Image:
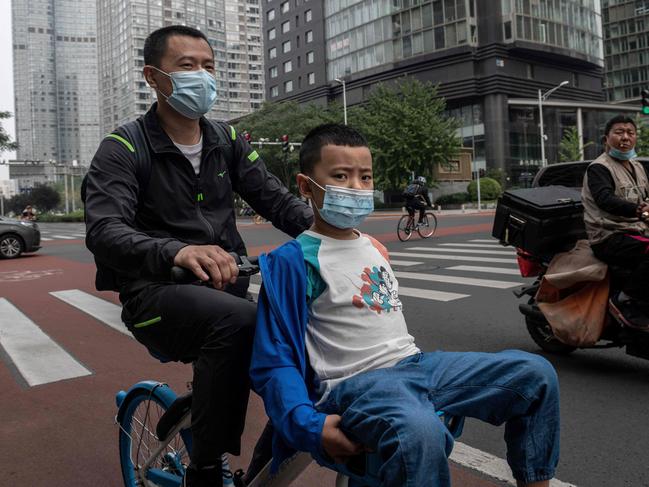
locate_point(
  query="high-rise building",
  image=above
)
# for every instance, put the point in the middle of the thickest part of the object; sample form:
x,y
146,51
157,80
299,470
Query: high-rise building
x,y
233,28
626,48
55,79
489,57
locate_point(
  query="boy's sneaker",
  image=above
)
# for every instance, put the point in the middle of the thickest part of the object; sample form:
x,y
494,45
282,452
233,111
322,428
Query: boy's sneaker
x,y
203,477
631,313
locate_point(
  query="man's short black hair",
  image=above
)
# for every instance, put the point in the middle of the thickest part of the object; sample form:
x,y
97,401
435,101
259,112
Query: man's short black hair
x,y
618,119
156,44
327,134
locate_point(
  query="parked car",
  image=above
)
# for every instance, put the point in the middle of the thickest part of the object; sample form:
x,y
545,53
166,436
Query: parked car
x,y
17,237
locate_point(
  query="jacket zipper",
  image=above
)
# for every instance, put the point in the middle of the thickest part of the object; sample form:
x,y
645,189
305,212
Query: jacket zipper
x,y
199,197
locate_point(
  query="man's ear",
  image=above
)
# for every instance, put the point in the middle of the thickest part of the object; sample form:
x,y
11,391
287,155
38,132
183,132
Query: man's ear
x,y
147,72
303,185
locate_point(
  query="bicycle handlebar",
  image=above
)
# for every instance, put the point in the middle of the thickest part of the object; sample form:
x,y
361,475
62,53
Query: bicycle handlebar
x,y
247,267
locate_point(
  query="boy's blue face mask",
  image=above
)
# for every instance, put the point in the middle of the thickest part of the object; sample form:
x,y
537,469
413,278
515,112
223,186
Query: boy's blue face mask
x,y
623,156
193,94
345,207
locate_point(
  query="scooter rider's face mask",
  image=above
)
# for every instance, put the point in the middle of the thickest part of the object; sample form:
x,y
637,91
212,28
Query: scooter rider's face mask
x,y
193,94
345,207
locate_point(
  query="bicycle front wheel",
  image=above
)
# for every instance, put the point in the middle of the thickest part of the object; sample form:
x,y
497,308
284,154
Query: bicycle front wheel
x,y
428,225
138,441
405,228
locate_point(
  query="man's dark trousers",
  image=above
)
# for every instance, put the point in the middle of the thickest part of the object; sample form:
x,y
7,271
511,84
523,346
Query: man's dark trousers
x,y
213,330
630,253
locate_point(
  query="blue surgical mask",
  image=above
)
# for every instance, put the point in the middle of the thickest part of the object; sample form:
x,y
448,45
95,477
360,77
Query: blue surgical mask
x,y
193,94
623,156
345,207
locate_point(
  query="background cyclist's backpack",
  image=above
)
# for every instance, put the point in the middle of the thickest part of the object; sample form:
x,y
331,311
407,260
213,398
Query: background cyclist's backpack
x,y
411,191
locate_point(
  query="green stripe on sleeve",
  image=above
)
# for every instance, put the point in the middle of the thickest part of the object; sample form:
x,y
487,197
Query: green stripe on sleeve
x,y
122,140
253,156
233,133
148,322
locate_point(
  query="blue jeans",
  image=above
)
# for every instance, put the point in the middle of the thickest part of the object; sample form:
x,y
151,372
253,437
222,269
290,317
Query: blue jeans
x,y
392,411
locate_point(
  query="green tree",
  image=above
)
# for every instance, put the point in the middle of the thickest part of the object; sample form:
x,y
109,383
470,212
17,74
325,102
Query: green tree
x,y
16,204
5,141
44,197
569,146
642,132
407,130
490,189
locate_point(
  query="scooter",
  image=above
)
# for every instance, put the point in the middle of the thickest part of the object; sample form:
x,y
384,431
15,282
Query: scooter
x,y
616,334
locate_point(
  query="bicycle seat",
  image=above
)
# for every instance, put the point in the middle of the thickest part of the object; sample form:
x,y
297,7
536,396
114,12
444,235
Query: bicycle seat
x,y
172,416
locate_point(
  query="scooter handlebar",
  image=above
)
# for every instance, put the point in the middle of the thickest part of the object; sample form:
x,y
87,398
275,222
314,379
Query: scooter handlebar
x,y
247,267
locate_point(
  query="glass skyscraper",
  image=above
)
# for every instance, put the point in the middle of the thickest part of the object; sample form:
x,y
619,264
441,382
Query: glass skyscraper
x,y
233,28
55,79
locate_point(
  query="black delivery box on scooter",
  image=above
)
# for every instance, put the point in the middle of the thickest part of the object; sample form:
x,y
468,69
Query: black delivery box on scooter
x,y
541,221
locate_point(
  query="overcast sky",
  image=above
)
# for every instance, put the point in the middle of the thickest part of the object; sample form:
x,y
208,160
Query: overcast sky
x,y
6,71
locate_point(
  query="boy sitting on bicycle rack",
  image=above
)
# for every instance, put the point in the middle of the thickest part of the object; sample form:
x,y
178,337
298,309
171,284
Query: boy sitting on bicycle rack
x,y
334,363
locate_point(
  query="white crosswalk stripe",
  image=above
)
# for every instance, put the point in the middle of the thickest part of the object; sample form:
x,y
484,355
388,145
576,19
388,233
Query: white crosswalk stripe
x,y
468,258
38,358
483,240
461,251
430,294
46,239
63,237
104,311
475,245
468,281
491,270
404,263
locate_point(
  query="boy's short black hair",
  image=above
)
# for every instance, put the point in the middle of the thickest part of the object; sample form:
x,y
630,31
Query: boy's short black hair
x,y
327,134
156,44
618,119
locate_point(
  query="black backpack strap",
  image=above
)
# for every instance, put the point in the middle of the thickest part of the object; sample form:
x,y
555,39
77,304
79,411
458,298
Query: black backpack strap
x,y
227,137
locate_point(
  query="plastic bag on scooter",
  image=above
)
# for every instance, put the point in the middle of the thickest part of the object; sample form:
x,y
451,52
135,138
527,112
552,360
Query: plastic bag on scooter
x,y
573,296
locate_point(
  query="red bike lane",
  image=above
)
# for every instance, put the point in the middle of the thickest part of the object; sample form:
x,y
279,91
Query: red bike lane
x,y
63,433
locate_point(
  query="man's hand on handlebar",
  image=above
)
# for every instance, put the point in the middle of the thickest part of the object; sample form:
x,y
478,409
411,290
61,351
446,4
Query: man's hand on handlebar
x,y
335,442
208,262
643,211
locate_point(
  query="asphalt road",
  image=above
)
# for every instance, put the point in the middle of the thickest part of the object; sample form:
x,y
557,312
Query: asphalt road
x,y
604,392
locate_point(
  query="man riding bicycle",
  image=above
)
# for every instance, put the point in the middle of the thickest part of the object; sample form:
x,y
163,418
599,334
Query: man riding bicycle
x,y
416,196
178,210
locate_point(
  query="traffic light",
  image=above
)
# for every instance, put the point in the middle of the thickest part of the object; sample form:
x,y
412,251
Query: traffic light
x,y
645,102
246,135
285,144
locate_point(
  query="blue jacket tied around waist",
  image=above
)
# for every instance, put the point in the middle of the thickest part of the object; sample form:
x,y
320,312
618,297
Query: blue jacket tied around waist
x,y
280,370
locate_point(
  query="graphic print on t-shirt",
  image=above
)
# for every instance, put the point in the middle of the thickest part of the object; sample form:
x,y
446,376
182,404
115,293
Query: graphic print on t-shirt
x,y
378,292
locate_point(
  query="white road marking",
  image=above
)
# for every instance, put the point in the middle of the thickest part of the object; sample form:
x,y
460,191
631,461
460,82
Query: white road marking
x,y
254,288
461,251
38,358
482,240
492,270
490,465
105,311
468,258
475,245
63,237
80,235
467,281
404,263
45,239
429,294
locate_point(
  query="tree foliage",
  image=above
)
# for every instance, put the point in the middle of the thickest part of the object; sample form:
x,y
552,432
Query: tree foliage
x,y
490,189
642,132
5,141
407,130
42,197
569,146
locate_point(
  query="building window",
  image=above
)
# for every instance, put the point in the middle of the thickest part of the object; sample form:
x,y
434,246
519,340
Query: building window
x,y
288,86
288,66
311,78
272,33
273,72
309,36
285,6
270,15
274,91
272,53
309,57
286,26
286,47
308,15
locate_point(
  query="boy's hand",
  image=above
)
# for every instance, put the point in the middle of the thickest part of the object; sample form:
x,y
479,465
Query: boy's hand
x,y
335,442
208,259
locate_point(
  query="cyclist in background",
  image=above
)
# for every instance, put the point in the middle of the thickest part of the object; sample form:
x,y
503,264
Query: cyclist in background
x,y
416,196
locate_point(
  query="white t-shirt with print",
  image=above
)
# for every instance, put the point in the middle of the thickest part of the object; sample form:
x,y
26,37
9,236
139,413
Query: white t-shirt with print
x,y
356,320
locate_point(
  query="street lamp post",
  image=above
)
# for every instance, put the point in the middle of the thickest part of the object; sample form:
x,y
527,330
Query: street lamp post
x,y
342,82
542,98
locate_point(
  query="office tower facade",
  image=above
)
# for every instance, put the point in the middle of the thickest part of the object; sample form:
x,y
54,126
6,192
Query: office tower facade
x,y
233,28
626,47
55,79
486,56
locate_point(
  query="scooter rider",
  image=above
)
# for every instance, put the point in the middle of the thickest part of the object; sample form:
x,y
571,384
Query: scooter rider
x,y
185,216
615,194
